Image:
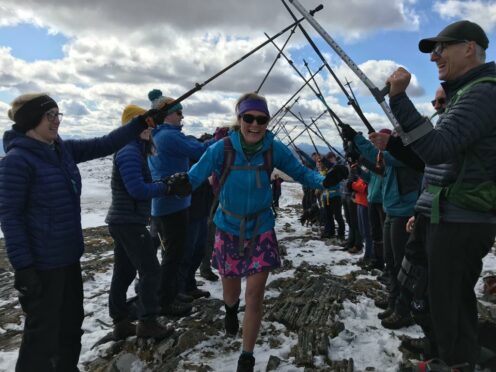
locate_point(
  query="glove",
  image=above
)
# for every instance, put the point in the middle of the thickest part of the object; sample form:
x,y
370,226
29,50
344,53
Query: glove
x,y
336,174
28,283
152,118
348,132
178,184
220,133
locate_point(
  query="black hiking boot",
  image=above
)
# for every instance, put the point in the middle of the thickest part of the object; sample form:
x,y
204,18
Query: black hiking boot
x,y
209,275
176,308
198,293
151,328
386,313
381,304
396,321
246,363
231,322
185,298
415,345
124,329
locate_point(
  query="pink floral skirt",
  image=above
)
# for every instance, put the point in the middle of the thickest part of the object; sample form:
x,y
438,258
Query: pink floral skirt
x,y
226,258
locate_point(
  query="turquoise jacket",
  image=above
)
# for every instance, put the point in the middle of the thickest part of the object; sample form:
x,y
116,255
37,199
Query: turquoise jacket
x,y
401,185
374,194
240,194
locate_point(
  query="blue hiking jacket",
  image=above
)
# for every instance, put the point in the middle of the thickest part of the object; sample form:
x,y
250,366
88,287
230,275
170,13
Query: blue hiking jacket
x,y
240,194
401,185
173,152
40,190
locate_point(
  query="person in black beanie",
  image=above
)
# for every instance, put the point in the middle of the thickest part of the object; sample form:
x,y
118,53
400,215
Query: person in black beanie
x,y
40,216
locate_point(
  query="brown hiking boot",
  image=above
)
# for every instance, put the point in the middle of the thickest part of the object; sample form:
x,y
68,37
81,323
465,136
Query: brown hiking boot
x,y
354,250
151,328
386,313
396,321
124,329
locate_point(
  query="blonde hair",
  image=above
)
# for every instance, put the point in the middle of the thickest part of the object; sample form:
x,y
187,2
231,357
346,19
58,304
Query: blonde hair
x,y
21,101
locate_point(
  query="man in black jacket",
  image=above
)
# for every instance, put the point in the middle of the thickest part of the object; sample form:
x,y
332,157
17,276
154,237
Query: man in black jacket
x,y
458,233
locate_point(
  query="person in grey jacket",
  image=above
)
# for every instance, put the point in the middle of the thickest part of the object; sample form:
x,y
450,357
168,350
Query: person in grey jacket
x,y
457,233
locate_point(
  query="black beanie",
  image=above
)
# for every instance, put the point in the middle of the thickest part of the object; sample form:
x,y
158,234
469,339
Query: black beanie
x,y
30,114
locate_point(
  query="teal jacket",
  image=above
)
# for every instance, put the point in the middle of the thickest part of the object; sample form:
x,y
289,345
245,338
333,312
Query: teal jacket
x,y
401,185
240,193
374,194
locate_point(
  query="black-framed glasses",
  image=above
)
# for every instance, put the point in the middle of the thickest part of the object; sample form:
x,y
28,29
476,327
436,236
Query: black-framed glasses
x,y
249,119
441,46
54,116
440,100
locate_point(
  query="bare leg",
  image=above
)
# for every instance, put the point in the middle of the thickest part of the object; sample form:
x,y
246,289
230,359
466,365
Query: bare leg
x,y
232,289
255,288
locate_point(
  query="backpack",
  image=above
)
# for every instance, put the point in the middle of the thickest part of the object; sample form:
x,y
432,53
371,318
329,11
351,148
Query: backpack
x,y
480,196
218,183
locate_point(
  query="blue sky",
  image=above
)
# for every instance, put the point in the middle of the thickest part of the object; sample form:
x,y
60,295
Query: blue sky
x,y
96,57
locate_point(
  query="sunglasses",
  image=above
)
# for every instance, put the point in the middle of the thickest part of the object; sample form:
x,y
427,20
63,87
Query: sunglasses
x,y
440,100
440,47
249,119
180,113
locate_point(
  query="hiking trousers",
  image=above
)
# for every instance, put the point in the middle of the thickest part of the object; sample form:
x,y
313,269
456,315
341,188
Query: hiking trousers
x,y
454,253
51,341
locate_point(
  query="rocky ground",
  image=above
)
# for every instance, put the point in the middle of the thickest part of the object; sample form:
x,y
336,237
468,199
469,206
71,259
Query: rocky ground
x,y
304,306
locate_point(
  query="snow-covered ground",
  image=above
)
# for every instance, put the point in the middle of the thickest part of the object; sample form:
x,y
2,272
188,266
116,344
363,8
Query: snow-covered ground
x,y
364,339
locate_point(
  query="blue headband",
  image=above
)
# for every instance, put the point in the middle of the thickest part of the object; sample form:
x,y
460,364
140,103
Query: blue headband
x,y
253,104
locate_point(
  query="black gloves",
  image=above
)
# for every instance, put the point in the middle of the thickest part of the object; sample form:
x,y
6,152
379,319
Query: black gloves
x,y
335,175
178,185
28,283
348,132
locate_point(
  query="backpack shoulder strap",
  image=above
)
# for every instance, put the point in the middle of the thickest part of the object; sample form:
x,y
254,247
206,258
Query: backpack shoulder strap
x,y
228,161
268,161
467,87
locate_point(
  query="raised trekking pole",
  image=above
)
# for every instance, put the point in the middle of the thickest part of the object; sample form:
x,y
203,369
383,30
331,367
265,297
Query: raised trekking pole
x,y
275,60
376,92
283,115
305,129
199,86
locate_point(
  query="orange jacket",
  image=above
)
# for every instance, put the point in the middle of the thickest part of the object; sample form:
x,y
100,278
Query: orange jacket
x,y
360,188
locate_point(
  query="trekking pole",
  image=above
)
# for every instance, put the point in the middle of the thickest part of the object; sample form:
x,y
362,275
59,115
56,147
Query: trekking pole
x,y
351,101
304,130
199,86
319,96
298,91
275,60
378,94
308,128
284,114
289,132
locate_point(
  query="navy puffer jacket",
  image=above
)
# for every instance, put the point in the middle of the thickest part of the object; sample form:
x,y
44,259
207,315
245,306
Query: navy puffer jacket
x,y
469,126
40,190
132,187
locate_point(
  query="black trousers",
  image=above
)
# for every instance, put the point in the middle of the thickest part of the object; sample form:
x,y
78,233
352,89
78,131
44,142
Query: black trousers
x,y
134,251
395,238
173,229
52,331
332,209
354,237
454,253
376,219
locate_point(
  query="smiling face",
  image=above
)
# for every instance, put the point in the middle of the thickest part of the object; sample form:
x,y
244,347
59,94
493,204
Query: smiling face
x,y
48,129
254,132
454,60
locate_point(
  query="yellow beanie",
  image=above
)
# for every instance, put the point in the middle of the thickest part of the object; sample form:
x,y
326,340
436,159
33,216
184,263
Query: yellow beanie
x,y
130,112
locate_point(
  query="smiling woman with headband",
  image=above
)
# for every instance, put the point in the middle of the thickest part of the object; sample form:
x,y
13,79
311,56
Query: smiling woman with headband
x,y
245,241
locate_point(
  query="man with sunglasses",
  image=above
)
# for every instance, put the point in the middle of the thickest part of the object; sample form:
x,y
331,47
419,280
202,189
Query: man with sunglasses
x,y
455,215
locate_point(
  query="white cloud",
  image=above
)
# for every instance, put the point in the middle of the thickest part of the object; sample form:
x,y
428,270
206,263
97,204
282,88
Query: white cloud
x,y
481,12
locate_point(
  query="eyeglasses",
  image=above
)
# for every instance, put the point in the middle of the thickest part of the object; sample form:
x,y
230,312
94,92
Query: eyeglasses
x,y
53,116
440,100
440,47
249,119
179,113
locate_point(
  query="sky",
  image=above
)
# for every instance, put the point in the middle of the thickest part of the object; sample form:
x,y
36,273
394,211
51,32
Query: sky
x,y
95,57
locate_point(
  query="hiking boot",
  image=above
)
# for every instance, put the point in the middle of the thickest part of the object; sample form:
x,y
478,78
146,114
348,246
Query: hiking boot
x,y
198,293
231,322
176,308
246,363
381,304
396,321
151,328
415,345
384,279
185,298
124,329
209,275
386,313
355,250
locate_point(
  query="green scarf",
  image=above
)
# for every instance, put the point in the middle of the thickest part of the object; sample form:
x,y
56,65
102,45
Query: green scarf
x,y
248,149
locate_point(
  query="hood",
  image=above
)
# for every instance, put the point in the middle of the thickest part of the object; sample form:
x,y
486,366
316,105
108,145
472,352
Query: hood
x,y
13,139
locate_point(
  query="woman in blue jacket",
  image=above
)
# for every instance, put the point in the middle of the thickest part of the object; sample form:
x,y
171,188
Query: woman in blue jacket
x,y
40,216
245,242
